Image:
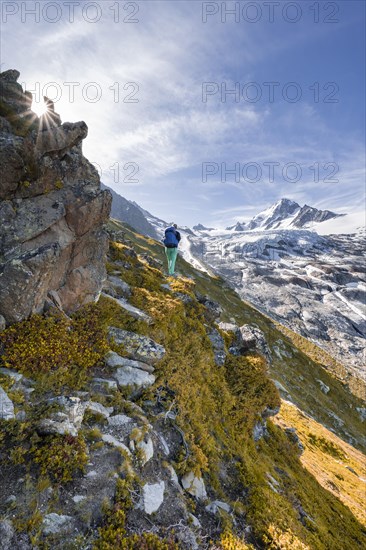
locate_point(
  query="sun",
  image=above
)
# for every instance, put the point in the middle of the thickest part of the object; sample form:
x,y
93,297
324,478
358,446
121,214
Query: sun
x,y
39,107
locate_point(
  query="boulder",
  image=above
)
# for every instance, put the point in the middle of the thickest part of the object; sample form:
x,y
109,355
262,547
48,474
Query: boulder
x,y
16,376
250,338
52,211
259,430
135,312
138,347
292,435
187,538
152,496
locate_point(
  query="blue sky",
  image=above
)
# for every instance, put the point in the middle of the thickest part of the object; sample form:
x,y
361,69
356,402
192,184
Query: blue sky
x,y
174,137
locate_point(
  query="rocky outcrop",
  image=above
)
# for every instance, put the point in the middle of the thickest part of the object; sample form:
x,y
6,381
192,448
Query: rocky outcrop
x,y
52,242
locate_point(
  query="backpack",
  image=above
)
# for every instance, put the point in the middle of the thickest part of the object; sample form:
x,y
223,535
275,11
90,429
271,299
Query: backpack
x,y
170,240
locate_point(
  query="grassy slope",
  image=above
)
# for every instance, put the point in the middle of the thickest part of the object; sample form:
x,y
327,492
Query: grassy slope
x,y
339,467
299,372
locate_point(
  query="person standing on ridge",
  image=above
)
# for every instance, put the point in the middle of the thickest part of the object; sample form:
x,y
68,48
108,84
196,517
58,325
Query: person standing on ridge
x,y
171,241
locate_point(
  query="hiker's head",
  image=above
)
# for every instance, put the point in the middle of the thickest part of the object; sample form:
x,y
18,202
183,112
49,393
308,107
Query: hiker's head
x,y
175,226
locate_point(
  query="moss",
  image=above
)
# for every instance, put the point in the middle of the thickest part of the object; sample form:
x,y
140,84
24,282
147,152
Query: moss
x,y
59,184
60,456
55,350
229,541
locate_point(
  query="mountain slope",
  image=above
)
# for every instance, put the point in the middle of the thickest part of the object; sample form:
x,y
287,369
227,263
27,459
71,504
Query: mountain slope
x,y
313,284
197,458
129,212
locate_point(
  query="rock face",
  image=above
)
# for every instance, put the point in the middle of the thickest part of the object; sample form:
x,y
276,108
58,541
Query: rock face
x,y
52,242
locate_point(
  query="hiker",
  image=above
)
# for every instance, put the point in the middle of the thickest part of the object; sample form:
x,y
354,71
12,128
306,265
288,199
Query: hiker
x,y
171,241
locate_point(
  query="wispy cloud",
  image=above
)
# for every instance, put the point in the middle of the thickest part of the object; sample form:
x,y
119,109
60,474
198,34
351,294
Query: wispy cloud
x,y
170,131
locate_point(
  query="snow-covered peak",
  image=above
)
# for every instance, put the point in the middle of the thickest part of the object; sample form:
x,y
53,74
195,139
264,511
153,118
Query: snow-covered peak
x,y
285,214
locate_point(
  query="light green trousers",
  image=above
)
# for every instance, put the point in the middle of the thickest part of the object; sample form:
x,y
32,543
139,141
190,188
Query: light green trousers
x,y
171,255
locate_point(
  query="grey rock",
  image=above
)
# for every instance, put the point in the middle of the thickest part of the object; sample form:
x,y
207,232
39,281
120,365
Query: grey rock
x,y
324,388
259,430
7,532
152,262
66,422
217,505
98,408
138,347
281,387
62,426
187,538
152,496
54,524
111,440
146,447
102,383
78,498
114,360
174,478
119,420
292,435
251,338
195,486
127,376
362,412
228,327
6,406
195,521
119,285
218,345
213,310
135,312
2,323
164,444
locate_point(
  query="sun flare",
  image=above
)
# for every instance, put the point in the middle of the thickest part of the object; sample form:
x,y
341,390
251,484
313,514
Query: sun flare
x,y
39,107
